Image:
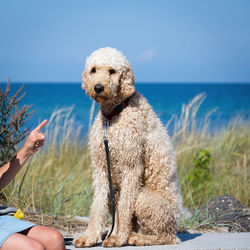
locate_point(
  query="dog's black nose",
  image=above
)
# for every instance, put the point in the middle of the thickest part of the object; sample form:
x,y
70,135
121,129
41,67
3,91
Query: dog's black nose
x,y
98,88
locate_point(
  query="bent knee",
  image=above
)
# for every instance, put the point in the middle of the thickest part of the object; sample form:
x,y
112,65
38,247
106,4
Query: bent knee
x,y
56,238
18,241
33,244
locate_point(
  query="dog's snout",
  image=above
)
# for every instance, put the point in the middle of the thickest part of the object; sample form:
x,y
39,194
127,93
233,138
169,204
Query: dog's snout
x,y
98,88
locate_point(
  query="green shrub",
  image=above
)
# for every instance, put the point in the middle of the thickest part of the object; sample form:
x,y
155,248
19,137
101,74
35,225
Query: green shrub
x,y
200,173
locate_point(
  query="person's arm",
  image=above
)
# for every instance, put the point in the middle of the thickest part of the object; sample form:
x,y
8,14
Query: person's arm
x,y
32,144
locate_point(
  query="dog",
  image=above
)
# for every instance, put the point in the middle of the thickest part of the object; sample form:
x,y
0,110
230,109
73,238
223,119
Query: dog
x,y
142,159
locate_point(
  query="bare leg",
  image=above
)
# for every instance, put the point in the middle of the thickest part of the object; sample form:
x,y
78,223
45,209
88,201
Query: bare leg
x,y
50,238
22,242
37,237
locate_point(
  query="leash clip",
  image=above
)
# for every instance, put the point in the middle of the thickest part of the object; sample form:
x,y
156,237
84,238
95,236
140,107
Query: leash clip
x,y
106,125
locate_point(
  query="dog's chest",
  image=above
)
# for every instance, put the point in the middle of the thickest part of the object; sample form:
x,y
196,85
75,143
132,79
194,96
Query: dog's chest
x,y
124,145
119,141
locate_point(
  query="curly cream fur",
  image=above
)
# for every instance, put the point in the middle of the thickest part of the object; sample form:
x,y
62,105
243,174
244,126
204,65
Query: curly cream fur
x,y
108,57
142,159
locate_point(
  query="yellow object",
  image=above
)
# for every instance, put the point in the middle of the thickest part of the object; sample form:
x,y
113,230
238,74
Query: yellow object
x,y
19,214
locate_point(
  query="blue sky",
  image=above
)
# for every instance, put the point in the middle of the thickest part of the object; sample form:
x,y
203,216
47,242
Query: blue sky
x,y
165,41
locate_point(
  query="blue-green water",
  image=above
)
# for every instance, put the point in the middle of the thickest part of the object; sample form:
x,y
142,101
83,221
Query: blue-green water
x,y
166,99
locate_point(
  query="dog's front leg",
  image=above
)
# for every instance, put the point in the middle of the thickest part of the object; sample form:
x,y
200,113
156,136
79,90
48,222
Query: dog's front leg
x,y
99,211
129,190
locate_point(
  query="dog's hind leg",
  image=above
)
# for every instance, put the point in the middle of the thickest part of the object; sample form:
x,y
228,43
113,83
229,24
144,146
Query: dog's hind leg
x,y
137,239
157,217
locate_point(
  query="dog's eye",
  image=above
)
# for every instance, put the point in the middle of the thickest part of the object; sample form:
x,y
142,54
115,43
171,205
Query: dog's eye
x,y
93,70
111,71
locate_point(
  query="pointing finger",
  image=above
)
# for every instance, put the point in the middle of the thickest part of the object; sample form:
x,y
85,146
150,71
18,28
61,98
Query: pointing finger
x,y
41,125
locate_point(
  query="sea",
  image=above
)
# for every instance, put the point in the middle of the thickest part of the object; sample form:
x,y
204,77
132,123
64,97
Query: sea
x,y
227,101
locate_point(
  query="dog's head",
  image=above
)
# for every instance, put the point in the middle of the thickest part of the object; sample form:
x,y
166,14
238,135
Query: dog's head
x,y
108,76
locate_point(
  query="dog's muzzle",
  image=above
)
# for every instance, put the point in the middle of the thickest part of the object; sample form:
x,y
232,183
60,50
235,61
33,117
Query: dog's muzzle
x,y
99,88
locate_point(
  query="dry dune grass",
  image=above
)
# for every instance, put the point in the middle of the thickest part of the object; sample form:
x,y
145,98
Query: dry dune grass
x,y
57,180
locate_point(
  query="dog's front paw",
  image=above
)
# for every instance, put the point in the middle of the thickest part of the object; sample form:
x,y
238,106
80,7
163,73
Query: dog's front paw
x,y
86,241
113,241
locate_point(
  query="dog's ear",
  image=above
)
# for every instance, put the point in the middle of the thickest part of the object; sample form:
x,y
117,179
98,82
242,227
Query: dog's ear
x,y
85,80
127,82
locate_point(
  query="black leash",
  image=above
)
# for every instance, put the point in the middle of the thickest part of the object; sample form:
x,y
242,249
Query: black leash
x,y
112,197
116,111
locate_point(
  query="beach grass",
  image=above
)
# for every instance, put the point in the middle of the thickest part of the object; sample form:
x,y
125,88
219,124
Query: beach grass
x,y
57,180
211,162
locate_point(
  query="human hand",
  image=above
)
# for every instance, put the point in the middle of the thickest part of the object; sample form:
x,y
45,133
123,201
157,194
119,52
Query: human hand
x,y
35,139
